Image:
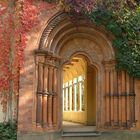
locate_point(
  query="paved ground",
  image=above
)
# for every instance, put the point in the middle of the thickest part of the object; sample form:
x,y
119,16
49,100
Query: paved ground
x,y
110,136
69,126
105,136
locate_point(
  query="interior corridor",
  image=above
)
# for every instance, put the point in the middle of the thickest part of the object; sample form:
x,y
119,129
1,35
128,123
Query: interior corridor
x,y
79,94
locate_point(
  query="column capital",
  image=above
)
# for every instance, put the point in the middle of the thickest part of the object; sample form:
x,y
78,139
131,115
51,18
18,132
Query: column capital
x,y
46,57
110,62
109,65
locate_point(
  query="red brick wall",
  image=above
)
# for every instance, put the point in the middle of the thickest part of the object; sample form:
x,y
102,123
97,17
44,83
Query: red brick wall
x,y
27,77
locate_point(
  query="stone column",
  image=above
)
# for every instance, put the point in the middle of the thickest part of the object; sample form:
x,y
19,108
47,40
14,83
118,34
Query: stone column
x,y
137,104
45,97
50,73
39,110
39,95
75,94
107,97
112,96
120,98
73,97
110,93
70,95
64,98
54,96
45,110
80,96
50,113
47,91
123,98
128,100
46,76
133,97
66,95
115,91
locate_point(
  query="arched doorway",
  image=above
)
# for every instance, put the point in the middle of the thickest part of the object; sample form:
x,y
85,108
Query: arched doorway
x,y
79,93
40,97
60,42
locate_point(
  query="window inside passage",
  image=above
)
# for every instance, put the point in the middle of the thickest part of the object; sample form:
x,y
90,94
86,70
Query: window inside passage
x,y
73,94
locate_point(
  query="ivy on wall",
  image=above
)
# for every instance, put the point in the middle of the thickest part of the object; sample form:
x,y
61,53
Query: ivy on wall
x,y
126,29
8,131
18,17
122,19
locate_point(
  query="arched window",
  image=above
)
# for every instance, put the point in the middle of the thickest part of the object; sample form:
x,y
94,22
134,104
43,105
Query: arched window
x,y
73,94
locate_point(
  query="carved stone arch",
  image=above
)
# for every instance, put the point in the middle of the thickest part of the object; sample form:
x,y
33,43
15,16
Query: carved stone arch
x,y
81,54
60,41
60,29
51,24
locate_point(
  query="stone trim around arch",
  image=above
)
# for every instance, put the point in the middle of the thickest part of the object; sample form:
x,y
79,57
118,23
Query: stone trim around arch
x,y
60,27
115,92
52,23
62,39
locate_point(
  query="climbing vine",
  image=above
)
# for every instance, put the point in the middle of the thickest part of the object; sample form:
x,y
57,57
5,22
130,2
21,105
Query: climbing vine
x,y
122,19
126,29
18,17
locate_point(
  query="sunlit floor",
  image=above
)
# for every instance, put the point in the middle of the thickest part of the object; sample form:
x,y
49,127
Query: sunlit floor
x,y
72,126
67,123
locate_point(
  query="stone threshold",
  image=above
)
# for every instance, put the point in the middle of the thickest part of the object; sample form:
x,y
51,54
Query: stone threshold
x,y
81,134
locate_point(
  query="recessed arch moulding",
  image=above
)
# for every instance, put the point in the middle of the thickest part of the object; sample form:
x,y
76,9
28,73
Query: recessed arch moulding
x,y
63,39
60,41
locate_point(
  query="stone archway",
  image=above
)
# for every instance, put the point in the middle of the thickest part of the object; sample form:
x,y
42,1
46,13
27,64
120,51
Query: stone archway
x,y
59,42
